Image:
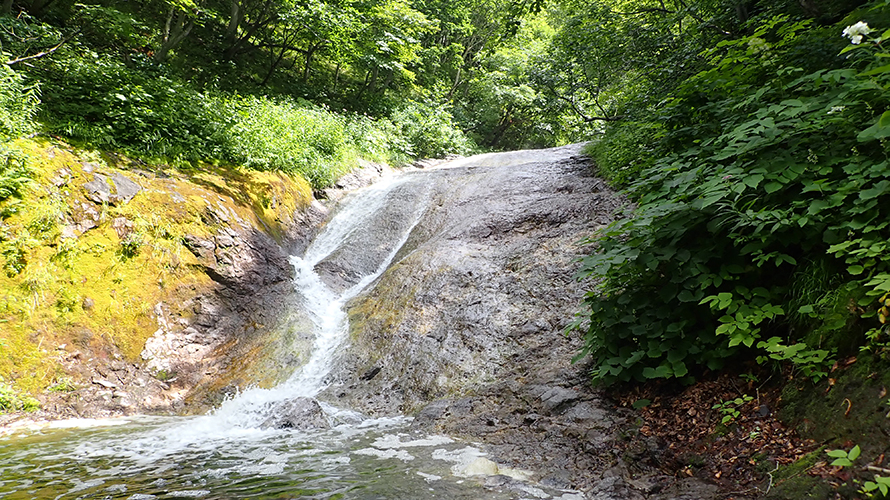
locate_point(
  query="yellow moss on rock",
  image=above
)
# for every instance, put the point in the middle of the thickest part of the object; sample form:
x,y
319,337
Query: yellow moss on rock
x,y
64,282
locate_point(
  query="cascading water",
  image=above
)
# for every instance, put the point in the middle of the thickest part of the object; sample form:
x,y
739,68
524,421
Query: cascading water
x,y
229,453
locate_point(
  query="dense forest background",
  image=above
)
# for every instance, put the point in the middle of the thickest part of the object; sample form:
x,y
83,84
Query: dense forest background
x,y
751,136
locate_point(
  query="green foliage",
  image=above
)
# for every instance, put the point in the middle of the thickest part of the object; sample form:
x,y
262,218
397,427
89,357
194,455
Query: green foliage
x,y
622,152
843,458
762,165
14,172
269,135
64,384
11,400
730,408
880,484
18,104
429,131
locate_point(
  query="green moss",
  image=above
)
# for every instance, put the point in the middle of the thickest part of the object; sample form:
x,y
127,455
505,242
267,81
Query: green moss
x,y
851,407
792,482
62,280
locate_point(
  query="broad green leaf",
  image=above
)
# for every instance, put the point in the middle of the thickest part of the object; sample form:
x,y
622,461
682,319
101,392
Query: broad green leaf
x,y
875,71
641,403
880,130
875,191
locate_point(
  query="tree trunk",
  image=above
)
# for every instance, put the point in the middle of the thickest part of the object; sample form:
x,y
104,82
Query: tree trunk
x,y
36,7
372,87
502,127
309,51
456,83
274,64
234,22
177,27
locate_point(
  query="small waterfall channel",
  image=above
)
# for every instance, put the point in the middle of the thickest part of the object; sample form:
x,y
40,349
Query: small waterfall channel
x,y
229,453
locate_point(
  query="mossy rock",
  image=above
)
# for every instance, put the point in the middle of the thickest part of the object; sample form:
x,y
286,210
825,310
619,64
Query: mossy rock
x,y
70,265
848,409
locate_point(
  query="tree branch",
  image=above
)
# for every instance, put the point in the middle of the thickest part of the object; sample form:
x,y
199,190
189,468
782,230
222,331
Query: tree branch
x,y
42,53
580,112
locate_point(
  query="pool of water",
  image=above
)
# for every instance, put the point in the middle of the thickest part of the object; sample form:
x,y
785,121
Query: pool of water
x,y
164,457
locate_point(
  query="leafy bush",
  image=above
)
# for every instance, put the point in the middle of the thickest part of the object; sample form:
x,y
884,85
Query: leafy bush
x,y
430,131
281,135
106,104
18,104
763,166
14,172
622,152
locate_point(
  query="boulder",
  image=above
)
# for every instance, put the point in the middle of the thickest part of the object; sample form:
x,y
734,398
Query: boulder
x,y
298,414
113,190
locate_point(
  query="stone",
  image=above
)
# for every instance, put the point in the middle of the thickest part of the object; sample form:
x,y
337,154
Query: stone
x,y
296,414
104,383
558,398
122,226
125,189
480,466
98,190
201,248
224,240
114,190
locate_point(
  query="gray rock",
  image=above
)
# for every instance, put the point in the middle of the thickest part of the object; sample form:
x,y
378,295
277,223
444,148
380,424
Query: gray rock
x,y
98,189
297,414
201,248
125,189
122,226
558,398
117,189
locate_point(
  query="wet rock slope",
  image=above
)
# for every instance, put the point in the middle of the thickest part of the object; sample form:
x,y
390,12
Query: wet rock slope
x,y
464,331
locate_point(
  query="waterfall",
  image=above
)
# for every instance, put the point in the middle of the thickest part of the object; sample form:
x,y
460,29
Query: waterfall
x,y
362,215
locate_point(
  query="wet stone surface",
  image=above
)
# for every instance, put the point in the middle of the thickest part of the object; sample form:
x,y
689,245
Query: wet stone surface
x,y
464,330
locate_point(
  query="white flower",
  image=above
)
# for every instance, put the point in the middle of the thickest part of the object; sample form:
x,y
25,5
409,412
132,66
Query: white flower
x,y
856,31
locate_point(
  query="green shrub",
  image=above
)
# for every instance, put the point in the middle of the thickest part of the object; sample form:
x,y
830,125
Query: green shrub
x,y
281,135
624,151
18,104
106,104
14,172
429,131
762,166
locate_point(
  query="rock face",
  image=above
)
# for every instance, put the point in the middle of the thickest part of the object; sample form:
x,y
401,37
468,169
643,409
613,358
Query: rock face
x,y
465,329
484,279
297,414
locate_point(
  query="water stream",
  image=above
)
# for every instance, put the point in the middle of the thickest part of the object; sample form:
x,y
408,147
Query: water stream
x,y
228,453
